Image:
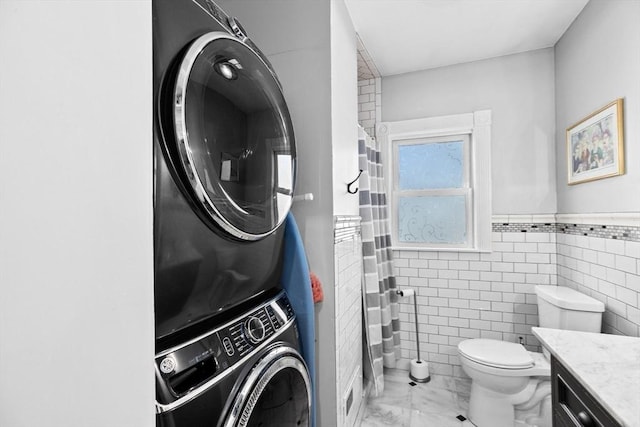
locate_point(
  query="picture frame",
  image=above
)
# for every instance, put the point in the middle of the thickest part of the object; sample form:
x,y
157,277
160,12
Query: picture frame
x,y
595,145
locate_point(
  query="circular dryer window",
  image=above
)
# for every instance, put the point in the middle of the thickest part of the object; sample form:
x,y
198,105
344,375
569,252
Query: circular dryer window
x,y
276,393
234,135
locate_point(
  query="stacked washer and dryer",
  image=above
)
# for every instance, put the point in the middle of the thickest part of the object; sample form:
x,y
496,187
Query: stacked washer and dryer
x,y
227,348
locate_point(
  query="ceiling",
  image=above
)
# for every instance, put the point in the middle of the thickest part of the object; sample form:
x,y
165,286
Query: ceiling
x,y
401,36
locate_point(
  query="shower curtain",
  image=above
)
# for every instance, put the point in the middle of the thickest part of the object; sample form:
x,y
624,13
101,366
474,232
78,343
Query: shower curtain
x,y
380,306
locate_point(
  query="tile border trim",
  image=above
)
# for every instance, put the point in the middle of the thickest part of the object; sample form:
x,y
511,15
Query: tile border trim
x,y
631,219
616,232
521,227
618,226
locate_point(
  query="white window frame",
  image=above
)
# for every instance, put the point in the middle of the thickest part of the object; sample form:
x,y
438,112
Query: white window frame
x,y
477,126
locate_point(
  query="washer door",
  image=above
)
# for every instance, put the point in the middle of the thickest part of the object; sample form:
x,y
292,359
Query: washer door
x,y
277,392
234,136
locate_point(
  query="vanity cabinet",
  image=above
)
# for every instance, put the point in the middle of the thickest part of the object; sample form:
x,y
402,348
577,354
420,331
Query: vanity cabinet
x,y
573,405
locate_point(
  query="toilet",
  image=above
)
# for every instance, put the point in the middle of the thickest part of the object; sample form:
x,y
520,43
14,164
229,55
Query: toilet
x,y
510,386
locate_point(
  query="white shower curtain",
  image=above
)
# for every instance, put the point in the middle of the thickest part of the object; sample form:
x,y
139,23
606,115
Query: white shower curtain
x,y
381,322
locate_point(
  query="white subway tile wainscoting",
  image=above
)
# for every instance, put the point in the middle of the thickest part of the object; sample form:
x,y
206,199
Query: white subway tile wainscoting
x,y
464,295
608,270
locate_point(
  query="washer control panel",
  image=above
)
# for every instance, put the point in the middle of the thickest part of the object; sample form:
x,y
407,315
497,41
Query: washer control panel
x,y
184,368
243,335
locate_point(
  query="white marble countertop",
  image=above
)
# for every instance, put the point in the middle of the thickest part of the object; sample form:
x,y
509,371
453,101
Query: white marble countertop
x,y
606,365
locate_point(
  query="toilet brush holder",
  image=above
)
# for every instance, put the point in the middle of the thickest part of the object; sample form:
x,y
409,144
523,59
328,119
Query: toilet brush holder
x,y
419,371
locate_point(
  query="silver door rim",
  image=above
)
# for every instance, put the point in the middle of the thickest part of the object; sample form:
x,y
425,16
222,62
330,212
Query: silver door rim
x,y
184,149
275,361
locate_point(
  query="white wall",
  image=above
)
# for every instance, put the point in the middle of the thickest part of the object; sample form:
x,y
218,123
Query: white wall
x,y
344,109
598,61
76,243
519,89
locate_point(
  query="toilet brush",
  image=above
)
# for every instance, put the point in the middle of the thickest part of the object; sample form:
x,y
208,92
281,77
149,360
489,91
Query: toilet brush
x,y
419,368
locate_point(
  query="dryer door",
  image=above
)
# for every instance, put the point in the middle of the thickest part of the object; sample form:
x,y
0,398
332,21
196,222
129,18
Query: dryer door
x,y
234,136
276,393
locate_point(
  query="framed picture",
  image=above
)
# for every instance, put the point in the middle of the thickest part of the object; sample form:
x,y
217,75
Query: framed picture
x,y
595,145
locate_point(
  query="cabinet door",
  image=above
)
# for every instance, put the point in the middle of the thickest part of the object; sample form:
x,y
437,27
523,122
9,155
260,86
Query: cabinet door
x,y
573,405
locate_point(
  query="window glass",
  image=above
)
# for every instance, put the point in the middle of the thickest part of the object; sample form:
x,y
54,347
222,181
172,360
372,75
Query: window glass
x,y
431,165
432,219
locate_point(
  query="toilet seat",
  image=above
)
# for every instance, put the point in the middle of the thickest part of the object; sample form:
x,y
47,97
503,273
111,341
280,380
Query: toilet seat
x,y
501,358
496,353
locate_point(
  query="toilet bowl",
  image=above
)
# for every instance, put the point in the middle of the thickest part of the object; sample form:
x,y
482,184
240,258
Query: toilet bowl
x,y
510,385
504,377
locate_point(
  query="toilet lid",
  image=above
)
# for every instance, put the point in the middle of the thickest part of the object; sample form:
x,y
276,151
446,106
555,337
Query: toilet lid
x,y
500,354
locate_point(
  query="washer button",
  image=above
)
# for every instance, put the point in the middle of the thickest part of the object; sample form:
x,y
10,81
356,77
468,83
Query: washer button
x,y
228,346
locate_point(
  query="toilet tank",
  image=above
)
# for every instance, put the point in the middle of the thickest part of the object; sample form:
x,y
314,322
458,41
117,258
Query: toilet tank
x,y
560,307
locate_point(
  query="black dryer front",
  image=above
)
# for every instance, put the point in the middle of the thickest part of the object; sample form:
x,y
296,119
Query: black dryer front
x,y
224,168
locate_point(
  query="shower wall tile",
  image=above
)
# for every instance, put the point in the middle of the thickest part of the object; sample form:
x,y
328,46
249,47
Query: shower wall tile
x,y
348,311
369,101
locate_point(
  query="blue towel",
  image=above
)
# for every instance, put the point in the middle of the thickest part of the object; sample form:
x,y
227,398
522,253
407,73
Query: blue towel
x,y
297,284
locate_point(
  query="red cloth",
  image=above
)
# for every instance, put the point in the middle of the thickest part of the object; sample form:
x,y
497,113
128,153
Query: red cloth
x,y
316,288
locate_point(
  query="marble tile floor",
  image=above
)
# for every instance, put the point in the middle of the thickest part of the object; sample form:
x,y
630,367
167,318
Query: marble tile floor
x,y
433,404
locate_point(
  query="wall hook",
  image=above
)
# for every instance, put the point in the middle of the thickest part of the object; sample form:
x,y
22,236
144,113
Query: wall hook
x,y
353,182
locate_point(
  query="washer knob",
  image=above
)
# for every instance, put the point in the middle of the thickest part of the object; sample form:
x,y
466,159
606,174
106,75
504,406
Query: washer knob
x,y
254,330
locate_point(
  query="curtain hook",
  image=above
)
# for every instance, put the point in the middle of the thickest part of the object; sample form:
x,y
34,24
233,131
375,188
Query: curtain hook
x,y
353,182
